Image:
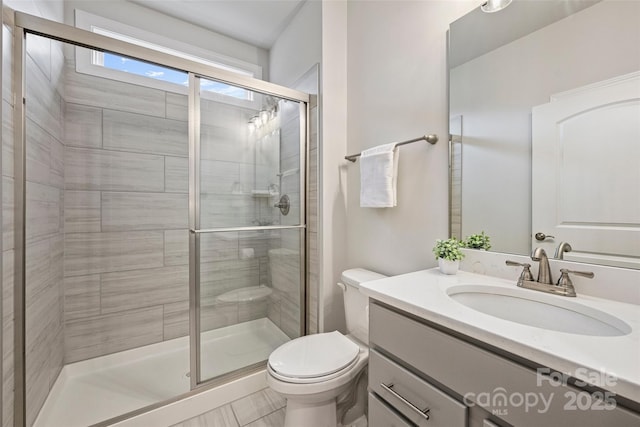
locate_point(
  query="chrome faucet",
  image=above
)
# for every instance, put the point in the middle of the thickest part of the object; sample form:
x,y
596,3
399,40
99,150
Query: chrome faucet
x,y
561,249
544,270
544,283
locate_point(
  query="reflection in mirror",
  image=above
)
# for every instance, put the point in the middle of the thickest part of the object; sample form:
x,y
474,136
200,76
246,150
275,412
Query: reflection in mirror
x,y
549,95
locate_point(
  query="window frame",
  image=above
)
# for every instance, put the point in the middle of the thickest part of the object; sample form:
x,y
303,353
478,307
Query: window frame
x,y
91,62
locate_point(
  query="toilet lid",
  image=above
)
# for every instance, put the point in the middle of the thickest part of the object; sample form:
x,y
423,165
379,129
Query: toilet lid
x,y
314,355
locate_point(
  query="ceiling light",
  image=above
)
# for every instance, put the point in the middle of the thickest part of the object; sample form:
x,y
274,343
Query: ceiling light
x,y
495,5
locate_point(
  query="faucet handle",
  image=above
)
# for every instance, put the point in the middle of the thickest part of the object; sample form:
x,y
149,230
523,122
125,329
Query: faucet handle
x,y
526,273
565,281
565,274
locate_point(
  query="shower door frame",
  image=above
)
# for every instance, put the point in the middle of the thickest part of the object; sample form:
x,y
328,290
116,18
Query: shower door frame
x,y
23,24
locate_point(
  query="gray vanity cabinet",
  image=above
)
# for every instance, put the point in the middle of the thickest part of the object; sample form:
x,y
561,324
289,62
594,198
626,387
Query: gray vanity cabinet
x,y
419,375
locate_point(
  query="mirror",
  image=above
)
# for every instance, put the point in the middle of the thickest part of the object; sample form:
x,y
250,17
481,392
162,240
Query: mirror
x,y
545,129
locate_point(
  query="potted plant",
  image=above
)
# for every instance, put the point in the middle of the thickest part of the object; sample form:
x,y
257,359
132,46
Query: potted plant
x,y
448,254
478,241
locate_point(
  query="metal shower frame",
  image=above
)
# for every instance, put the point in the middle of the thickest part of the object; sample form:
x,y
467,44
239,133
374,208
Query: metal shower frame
x,y
24,24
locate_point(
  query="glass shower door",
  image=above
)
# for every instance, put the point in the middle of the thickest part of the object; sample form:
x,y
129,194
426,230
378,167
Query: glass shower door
x,y
247,226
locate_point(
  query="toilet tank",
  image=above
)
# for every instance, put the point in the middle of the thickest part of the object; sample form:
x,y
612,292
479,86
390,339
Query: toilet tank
x,y
356,304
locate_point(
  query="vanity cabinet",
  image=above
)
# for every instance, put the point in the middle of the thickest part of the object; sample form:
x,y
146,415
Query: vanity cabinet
x,y
416,367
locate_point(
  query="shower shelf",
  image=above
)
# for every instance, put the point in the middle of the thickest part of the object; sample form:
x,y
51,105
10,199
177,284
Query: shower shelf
x,y
261,193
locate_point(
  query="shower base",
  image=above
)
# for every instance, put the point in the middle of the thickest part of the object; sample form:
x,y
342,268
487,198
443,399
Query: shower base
x,y
95,390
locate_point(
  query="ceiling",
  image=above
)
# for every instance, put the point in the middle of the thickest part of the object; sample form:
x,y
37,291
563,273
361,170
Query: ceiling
x,y
257,22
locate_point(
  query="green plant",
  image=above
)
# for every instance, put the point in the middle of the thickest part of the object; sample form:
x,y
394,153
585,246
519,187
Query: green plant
x,y
449,249
478,241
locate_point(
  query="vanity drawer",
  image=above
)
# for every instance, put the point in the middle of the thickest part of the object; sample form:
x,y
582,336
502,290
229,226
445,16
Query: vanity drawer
x,y
380,415
474,372
410,394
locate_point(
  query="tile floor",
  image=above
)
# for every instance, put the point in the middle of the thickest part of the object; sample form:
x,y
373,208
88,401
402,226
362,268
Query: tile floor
x,y
264,408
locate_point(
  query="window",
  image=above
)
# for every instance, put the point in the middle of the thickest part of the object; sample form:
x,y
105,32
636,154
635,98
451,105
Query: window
x,y
119,67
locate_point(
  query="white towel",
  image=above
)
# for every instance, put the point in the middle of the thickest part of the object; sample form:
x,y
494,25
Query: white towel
x,y
378,176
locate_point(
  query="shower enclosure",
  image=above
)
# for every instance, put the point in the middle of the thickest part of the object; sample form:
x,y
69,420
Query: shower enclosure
x,y
155,251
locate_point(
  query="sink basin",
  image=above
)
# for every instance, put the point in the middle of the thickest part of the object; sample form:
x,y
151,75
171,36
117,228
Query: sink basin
x,y
539,310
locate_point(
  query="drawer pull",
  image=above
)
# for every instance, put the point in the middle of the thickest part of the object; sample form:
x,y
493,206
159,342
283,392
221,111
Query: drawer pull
x,y
423,413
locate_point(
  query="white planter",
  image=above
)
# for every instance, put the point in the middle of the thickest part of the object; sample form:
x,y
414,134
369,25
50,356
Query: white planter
x,y
448,267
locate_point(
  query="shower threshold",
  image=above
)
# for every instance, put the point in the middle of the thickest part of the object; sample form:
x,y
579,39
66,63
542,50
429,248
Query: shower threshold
x,y
98,389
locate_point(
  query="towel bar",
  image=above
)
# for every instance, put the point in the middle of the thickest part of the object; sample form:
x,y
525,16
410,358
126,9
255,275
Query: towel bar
x,y
431,139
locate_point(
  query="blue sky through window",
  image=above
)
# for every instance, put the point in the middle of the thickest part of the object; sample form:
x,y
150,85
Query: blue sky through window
x,y
142,68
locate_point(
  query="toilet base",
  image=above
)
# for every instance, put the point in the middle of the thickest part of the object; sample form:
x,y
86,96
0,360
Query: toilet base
x,y
322,414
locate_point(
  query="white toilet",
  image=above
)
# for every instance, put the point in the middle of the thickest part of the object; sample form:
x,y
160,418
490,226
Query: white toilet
x,y
323,376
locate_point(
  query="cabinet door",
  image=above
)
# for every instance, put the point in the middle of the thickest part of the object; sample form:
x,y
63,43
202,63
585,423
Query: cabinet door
x,y
380,415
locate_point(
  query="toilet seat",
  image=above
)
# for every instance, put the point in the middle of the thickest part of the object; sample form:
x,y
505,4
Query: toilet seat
x,y
313,358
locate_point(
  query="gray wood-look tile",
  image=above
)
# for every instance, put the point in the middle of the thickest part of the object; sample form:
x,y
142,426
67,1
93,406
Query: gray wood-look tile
x,y
105,334
56,170
176,247
112,94
274,419
82,126
43,341
176,320
37,379
213,247
226,143
290,317
222,276
177,106
219,417
251,310
218,177
89,169
219,246
36,270
87,253
259,241
218,315
7,63
44,104
143,288
218,210
257,405
144,134
7,213
82,211
7,285
212,316
42,210
144,211
7,138
176,174
7,338
214,113
38,146
39,50
81,296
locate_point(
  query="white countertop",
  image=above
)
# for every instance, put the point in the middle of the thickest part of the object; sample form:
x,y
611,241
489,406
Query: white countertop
x,y
612,363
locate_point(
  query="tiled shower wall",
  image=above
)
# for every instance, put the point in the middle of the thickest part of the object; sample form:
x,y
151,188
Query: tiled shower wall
x,y
44,231
44,208
126,216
